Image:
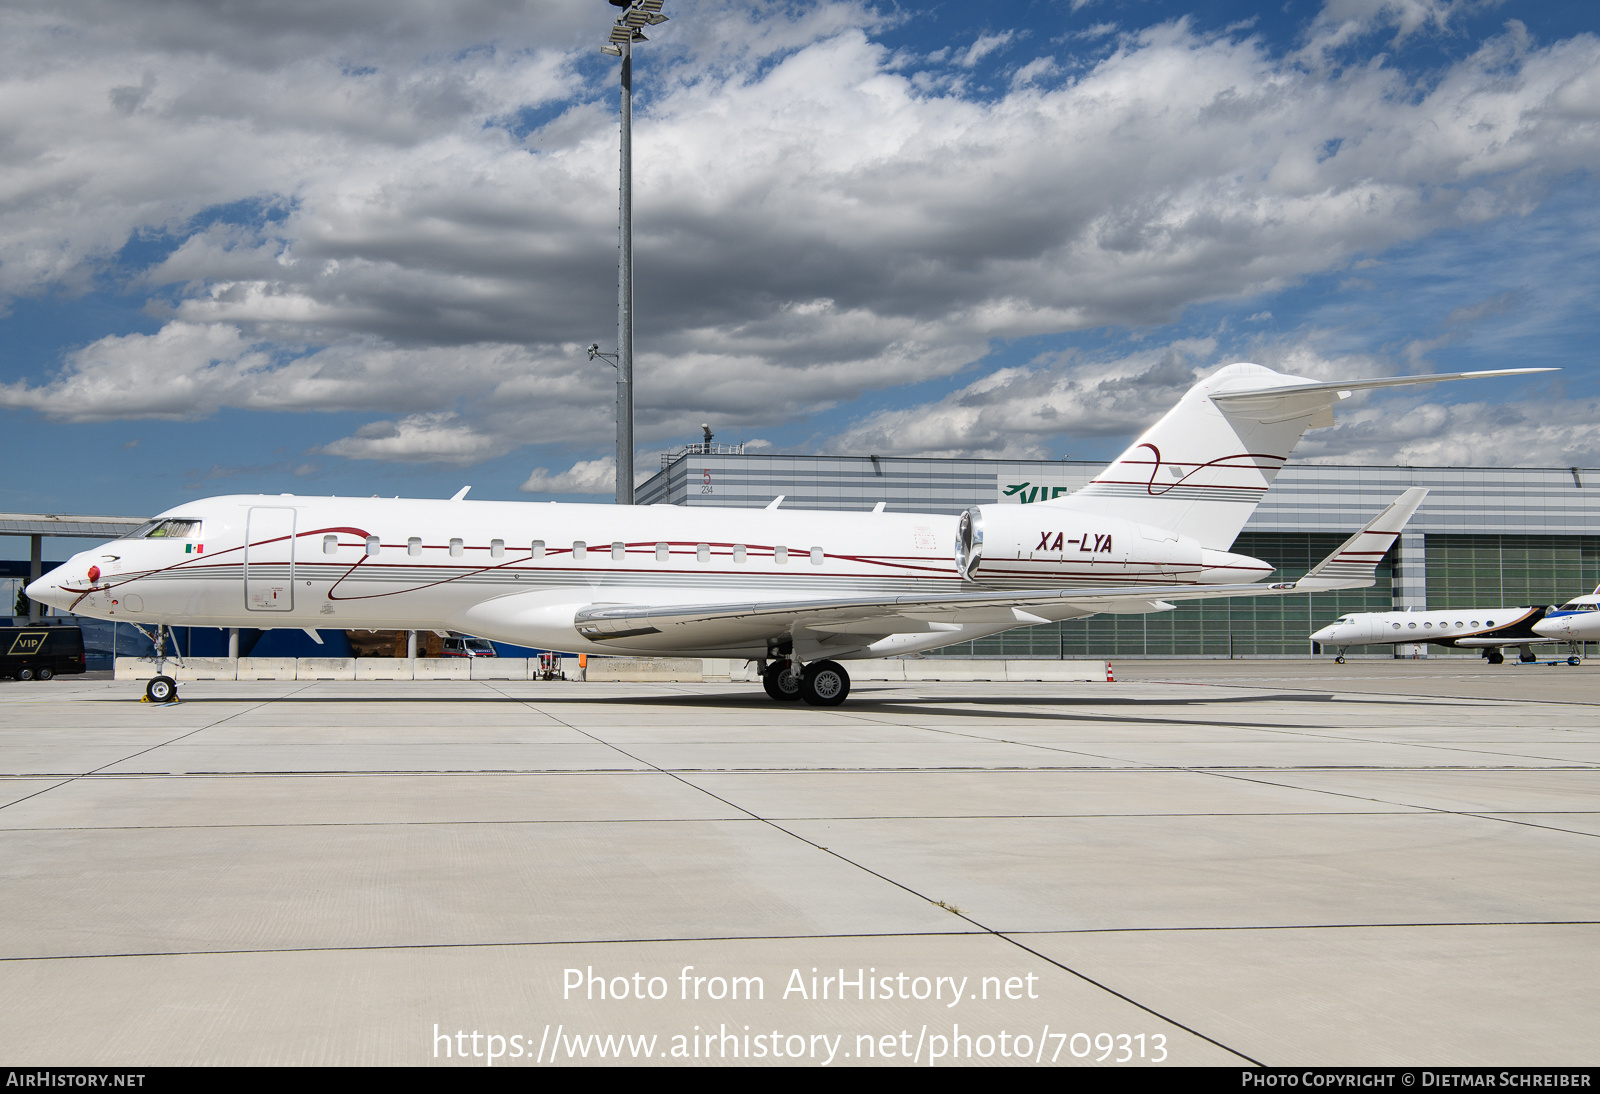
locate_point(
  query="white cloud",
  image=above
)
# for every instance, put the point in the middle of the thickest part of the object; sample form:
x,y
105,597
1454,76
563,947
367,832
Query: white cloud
x,y
985,45
419,438
813,220
584,477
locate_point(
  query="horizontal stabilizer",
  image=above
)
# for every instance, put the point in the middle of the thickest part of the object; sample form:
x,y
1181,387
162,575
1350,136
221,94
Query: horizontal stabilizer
x,y
1281,402
1357,558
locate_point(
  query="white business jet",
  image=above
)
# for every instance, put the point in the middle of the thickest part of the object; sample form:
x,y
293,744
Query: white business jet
x,y
1490,630
799,591
1578,620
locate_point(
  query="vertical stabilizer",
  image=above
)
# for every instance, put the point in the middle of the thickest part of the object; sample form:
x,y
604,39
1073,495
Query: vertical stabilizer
x,y
1201,470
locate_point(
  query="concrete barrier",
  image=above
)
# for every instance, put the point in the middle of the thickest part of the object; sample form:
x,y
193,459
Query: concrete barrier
x,y
1021,671
203,668
442,668
952,669
728,670
385,668
133,668
266,668
498,668
659,670
645,670
325,668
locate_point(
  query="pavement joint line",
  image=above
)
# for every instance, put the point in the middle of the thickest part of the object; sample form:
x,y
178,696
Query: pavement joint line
x,y
125,759
1464,699
1008,936
753,818
645,769
1490,815
922,896
1323,926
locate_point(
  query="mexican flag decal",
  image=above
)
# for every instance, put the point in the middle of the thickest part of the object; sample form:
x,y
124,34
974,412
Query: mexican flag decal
x,y
194,548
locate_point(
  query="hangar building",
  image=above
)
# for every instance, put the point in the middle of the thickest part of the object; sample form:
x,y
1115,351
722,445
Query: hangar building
x,y
1485,537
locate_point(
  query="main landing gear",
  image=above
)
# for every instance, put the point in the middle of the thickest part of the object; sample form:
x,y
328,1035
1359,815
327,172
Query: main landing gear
x,y
820,684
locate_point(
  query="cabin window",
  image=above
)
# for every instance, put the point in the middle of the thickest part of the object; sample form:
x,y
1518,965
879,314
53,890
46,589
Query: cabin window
x,y
538,548
1491,622
662,552
1427,626
702,552
780,555
816,556
414,546
330,545
1397,626
738,552
1413,626
497,548
372,545
455,548
1474,622
1460,624
619,551
580,549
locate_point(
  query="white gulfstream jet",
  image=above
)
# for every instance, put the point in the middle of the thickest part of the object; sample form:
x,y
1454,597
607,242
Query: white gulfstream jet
x,y
1491,630
799,590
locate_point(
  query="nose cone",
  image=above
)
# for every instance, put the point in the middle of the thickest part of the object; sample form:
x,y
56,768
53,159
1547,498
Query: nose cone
x,y
1326,634
1558,627
61,587
47,591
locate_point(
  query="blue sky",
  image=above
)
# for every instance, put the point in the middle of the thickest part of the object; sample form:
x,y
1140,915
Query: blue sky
x,y
359,250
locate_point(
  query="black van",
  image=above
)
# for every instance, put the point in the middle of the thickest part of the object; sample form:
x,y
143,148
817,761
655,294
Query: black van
x,y
38,653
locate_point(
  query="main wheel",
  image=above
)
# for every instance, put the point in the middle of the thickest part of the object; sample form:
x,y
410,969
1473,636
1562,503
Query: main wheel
x,y
1574,660
824,684
780,683
45,673
1528,657
162,689
1495,657
24,674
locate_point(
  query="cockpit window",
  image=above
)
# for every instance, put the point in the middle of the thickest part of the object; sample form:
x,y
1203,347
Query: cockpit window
x,y
1579,606
171,528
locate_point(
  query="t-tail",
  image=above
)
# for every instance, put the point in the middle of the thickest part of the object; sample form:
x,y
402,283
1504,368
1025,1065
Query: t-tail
x,y
1203,468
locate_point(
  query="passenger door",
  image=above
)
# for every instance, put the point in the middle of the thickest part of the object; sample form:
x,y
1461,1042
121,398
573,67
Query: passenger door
x,y
269,560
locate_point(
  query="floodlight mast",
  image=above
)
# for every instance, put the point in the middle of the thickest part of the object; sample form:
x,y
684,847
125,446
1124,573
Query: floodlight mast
x,y
624,32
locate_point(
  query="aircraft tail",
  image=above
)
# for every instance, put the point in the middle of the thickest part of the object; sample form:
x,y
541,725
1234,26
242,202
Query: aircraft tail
x,y
1204,467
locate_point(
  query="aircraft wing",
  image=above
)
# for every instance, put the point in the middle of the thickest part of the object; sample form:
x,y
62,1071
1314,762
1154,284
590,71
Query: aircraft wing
x,y
1353,565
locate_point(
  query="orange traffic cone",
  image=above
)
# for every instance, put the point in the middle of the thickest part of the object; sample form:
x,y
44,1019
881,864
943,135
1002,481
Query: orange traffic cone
x,y
1111,677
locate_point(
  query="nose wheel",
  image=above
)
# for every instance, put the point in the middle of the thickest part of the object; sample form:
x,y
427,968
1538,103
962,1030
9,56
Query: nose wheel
x,y
161,689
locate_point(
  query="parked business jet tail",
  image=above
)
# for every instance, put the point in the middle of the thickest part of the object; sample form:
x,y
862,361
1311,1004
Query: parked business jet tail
x,y
1204,467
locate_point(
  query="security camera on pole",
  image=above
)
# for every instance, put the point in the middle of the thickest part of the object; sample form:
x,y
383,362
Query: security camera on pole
x,y
627,30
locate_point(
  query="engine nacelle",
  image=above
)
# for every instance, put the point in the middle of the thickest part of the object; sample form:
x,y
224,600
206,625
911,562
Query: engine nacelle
x,y
1000,544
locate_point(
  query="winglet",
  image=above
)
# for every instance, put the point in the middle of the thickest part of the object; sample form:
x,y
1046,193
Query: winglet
x,y
1355,564
459,494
